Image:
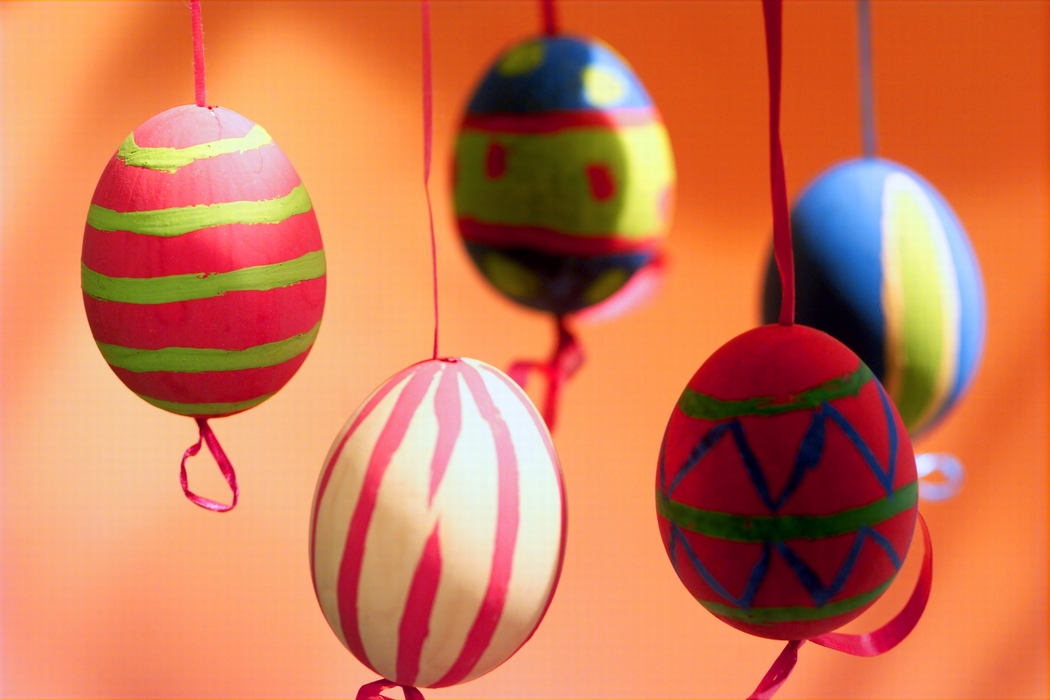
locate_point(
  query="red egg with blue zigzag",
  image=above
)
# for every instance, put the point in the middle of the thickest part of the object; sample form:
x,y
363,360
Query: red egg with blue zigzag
x,y
786,486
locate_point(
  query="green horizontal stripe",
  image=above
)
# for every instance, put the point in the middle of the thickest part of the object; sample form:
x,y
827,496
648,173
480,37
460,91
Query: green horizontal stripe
x,y
179,220
797,613
205,409
176,359
171,159
697,405
778,528
164,290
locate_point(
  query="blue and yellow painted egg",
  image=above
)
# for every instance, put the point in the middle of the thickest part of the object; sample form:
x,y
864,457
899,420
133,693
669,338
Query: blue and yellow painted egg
x,y
883,265
563,174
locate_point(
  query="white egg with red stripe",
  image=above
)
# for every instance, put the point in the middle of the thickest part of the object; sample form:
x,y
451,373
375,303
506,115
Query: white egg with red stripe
x,y
438,524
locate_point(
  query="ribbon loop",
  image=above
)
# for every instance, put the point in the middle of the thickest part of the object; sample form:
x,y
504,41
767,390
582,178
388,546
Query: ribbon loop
x,y
948,467
893,632
207,436
374,690
566,360
871,644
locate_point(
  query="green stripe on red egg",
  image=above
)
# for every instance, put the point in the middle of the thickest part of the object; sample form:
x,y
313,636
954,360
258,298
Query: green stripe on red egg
x,y
202,263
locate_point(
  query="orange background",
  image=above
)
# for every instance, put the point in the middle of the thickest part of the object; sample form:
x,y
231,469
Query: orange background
x,y
114,585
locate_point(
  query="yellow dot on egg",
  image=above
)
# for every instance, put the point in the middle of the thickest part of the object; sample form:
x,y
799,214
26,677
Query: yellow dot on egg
x,y
606,284
602,87
521,59
511,278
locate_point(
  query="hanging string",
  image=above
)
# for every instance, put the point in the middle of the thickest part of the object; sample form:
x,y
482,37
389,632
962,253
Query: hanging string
x,y
777,181
206,435
428,144
198,52
550,18
871,644
566,359
867,90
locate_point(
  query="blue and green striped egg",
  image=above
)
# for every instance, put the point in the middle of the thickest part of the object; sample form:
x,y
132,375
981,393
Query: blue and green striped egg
x,y
563,174
883,265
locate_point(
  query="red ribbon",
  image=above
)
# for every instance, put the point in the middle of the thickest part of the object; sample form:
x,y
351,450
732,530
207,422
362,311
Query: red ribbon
x,y
206,435
564,362
550,19
428,147
871,644
777,181
374,690
198,52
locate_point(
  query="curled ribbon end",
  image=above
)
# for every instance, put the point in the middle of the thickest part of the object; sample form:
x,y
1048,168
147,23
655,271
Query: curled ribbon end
x,y
207,436
374,690
564,362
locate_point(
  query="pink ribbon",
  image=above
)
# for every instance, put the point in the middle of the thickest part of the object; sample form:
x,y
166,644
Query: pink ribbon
x,y
564,362
198,52
374,690
871,644
550,18
428,147
206,435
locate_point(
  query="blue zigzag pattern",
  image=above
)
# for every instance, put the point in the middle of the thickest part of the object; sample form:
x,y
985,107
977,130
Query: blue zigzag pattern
x,y
807,459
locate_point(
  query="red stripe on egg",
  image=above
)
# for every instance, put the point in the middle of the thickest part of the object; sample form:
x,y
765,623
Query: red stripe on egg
x,y
554,242
506,534
233,321
420,603
227,386
326,473
389,440
209,250
255,175
541,429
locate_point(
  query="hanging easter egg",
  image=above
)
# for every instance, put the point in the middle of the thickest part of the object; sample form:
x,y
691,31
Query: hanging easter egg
x,y
438,524
203,271
563,174
786,488
882,264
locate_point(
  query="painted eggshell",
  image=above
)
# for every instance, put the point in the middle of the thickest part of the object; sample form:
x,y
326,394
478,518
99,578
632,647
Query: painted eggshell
x,y
563,174
786,491
882,264
438,524
202,270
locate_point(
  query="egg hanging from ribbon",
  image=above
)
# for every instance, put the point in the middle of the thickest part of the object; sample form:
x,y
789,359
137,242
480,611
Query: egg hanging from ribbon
x,y
438,525
563,176
786,487
883,264
203,271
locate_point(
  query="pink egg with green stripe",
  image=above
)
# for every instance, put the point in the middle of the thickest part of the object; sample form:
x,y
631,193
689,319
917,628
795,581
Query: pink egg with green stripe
x,y
202,269
438,524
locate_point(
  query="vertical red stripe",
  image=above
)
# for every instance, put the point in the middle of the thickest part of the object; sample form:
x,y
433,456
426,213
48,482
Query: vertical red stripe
x,y
448,411
415,621
507,518
322,486
389,440
545,436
